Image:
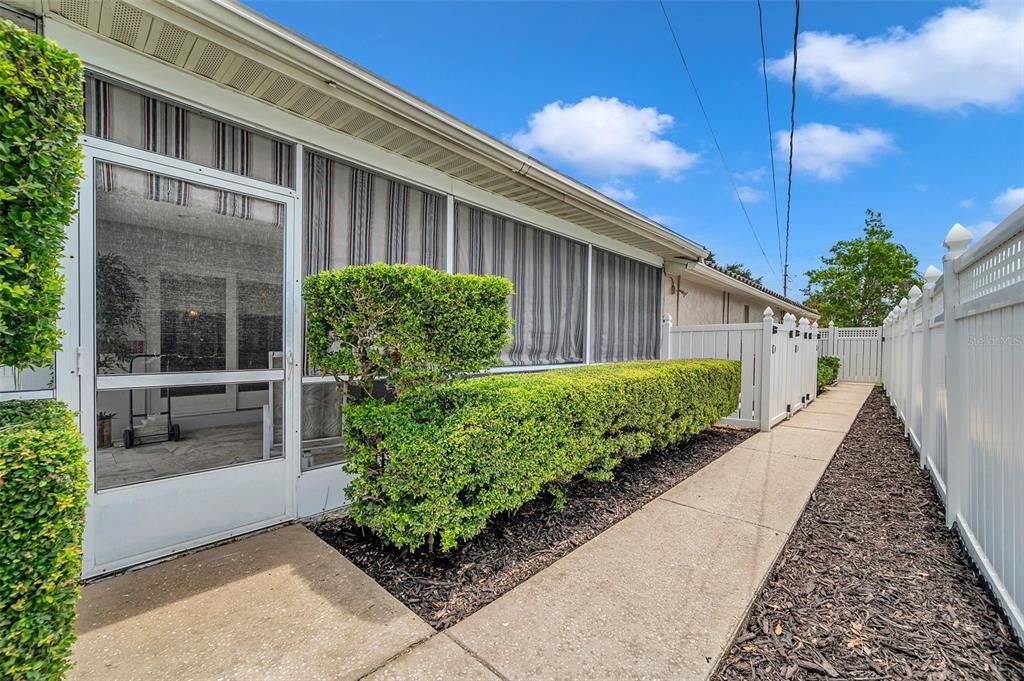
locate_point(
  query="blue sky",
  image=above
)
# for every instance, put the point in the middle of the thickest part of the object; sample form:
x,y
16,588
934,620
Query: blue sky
x,y
912,108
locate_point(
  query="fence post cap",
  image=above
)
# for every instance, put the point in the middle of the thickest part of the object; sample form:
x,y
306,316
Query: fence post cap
x,y
957,239
789,317
768,312
831,324
666,319
814,324
903,304
931,275
915,293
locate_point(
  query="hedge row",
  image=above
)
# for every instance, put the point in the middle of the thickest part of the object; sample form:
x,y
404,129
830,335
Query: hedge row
x,y
40,164
440,461
43,481
828,371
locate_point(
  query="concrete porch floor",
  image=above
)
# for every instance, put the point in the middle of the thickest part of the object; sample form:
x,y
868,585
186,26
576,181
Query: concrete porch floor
x,y
657,596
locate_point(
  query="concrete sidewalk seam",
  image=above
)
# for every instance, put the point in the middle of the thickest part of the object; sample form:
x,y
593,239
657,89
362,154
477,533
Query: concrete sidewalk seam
x,y
820,430
408,649
472,653
772,452
723,515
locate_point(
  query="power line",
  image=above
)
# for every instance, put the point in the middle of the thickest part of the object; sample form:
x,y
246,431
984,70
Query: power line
x,y
771,135
792,128
714,138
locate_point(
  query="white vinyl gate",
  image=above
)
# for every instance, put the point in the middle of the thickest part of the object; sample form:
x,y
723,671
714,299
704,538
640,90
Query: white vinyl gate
x,y
859,348
778,362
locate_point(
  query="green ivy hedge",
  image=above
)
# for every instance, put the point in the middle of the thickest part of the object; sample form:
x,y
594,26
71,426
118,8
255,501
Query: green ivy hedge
x,y
43,482
828,371
410,325
439,462
40,165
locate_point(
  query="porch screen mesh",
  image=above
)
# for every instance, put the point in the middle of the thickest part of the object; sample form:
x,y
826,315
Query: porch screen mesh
x,y
549,274
119,114
356,217
627,308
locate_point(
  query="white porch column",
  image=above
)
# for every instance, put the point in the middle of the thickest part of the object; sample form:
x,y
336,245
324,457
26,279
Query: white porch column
x,y
956,243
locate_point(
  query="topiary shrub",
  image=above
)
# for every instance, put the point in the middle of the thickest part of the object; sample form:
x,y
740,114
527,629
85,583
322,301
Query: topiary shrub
x,y
828,371
43,481
40,165
410,325
441,461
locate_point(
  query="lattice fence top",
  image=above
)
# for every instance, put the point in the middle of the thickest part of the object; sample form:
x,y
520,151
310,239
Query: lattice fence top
x,y
859,332
1000,269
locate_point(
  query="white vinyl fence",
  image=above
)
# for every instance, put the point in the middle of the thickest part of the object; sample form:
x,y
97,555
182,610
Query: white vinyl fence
x,y
859,348
779,362
954,372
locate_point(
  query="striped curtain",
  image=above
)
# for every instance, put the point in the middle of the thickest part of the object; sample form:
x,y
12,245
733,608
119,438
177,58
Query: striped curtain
x,y
119,114
355,217
549,274
627,308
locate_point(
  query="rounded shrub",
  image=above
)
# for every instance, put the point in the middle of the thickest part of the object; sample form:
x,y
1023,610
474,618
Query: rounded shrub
x,y
43,482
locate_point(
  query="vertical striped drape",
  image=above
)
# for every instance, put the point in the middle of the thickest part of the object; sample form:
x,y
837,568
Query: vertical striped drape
x,y
549,273
352,216
626,308
120,114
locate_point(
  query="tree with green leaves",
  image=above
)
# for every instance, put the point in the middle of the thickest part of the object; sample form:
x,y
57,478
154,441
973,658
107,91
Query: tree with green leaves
x,y
862,279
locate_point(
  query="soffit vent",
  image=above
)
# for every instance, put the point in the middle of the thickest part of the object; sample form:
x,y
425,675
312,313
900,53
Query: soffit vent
x,y
247,75
332,113
276,88
210,60
309,99
169,42
379,132
125,24
361,120
76,10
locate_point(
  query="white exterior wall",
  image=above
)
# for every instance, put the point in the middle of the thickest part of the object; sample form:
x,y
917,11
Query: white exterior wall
x,y
693,301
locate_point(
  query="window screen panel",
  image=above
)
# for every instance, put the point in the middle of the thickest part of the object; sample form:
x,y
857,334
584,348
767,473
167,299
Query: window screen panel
x,y
627,308
126,116
549,273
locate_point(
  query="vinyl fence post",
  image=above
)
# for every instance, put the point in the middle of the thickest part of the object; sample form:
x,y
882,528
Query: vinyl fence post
x,y
813,379
666,336
766,367
832,341
927,435
956,243
913,304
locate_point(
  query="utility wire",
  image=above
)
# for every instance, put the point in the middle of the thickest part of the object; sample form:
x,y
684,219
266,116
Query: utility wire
x,y
771,134
792,128
714,138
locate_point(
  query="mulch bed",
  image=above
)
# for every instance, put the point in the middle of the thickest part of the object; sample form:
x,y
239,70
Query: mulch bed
x,y
444,588
871,584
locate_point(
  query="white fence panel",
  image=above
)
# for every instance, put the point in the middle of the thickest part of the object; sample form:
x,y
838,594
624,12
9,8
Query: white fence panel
x,y
954,371
858,347
778,363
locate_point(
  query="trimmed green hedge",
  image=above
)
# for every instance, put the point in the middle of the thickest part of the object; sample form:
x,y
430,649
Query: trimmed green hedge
x,y
410,325
439,462
828,371
43,481
40,164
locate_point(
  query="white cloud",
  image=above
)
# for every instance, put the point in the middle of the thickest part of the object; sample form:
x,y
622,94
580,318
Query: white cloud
x,y
980,229
967,203
617,190
755,175
968,55
750,194
605,136
1009,201
827,151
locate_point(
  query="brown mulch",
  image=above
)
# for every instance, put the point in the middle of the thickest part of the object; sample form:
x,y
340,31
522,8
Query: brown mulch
x,y
444,588
871,584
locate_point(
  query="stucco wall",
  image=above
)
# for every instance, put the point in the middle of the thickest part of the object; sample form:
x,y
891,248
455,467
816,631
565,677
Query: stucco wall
x,y
691,302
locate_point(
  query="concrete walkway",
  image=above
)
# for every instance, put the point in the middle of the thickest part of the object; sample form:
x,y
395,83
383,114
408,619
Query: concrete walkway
x,y
659,595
